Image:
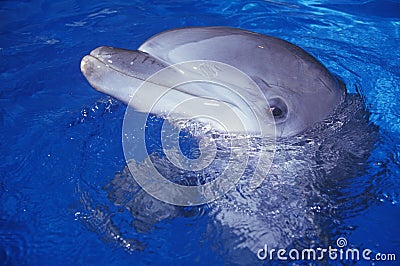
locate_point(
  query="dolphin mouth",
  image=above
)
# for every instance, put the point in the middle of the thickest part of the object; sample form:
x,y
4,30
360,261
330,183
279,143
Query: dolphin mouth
x,y
203,90
90,61
96,61
109,57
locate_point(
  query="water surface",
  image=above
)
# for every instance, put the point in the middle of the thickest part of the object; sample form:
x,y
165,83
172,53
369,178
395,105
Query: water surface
x,y
61,141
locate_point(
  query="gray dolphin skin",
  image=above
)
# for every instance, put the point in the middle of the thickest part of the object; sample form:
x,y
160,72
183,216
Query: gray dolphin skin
x,y
299,89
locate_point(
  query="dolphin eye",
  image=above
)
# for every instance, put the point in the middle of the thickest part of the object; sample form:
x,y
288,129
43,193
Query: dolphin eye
x,y
278,109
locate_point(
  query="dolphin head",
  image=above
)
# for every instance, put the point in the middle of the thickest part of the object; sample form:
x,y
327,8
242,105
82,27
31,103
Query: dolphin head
x,y
297,91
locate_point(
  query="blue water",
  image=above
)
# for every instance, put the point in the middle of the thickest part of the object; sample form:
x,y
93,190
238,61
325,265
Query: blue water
x,y
60,140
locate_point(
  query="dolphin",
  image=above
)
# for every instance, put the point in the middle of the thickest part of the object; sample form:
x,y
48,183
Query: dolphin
x,y
300,93
299,90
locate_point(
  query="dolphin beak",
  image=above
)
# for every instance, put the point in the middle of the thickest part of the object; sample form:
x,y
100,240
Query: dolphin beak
x,y
211,92
87,67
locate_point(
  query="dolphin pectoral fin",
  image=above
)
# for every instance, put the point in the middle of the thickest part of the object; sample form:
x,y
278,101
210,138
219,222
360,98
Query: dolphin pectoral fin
x,y
146,210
